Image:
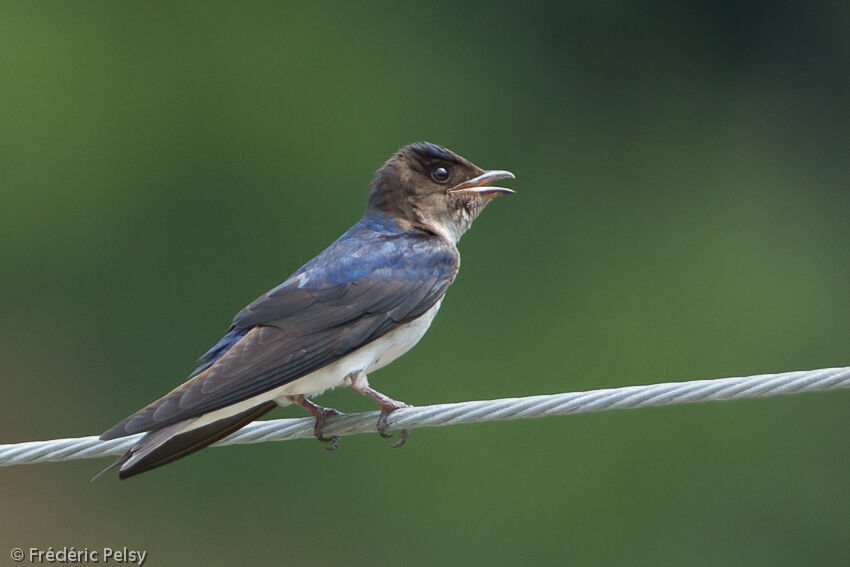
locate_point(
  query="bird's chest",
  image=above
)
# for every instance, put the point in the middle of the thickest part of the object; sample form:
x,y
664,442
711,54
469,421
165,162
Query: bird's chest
x,y
400,340
368,358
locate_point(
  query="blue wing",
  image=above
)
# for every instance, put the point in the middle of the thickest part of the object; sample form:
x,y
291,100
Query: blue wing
x,y
364,285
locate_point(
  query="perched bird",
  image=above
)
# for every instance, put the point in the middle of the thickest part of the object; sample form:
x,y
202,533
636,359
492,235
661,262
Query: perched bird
x,y
354,308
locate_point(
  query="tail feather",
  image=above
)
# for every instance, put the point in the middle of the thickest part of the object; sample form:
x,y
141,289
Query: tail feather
x,y
170,443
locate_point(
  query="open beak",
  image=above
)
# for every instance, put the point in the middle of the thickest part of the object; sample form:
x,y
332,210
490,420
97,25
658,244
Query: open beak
x,y
481,184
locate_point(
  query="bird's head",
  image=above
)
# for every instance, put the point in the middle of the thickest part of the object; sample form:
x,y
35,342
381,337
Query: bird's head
x,y
433,188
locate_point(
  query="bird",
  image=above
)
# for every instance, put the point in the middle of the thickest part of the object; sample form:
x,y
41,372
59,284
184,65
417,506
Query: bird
x,y
361,303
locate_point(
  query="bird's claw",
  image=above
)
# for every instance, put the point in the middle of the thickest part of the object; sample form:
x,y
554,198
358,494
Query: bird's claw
x,y
382,424
334,442
320,424
402,438
321,414
360,384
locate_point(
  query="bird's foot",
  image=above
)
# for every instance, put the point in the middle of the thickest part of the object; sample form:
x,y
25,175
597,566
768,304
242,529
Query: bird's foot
x,y
382,422
360,384
321,414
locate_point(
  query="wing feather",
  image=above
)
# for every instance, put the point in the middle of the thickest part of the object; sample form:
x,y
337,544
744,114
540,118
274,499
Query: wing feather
x,y
353,293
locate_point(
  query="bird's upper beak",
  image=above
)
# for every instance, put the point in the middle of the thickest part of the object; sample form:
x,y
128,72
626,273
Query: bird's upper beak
x,y
481,184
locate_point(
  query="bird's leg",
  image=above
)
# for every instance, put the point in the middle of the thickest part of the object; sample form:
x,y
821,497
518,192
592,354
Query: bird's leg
x,y
360,384
321,414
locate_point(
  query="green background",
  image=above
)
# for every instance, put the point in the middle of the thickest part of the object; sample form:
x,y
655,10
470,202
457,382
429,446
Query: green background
x,y
683,178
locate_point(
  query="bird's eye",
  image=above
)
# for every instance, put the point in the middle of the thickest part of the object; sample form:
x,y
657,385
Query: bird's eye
x,y
440,174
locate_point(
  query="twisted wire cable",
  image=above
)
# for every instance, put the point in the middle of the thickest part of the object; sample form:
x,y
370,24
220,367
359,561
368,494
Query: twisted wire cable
x,y
629,397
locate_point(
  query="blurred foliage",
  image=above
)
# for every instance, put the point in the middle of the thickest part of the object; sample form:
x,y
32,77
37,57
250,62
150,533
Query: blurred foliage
x,y
683,186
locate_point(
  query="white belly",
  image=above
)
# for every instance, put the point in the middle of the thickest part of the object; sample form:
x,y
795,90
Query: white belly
x,y
373,356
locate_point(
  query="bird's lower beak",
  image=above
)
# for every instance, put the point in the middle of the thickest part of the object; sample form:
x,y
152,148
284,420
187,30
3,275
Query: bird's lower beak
x,y
481,184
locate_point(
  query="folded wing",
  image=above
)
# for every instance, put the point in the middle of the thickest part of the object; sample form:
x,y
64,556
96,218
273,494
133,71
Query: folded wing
x,y
353,293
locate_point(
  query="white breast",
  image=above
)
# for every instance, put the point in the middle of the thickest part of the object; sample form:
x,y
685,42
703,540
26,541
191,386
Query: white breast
x,y
373,356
